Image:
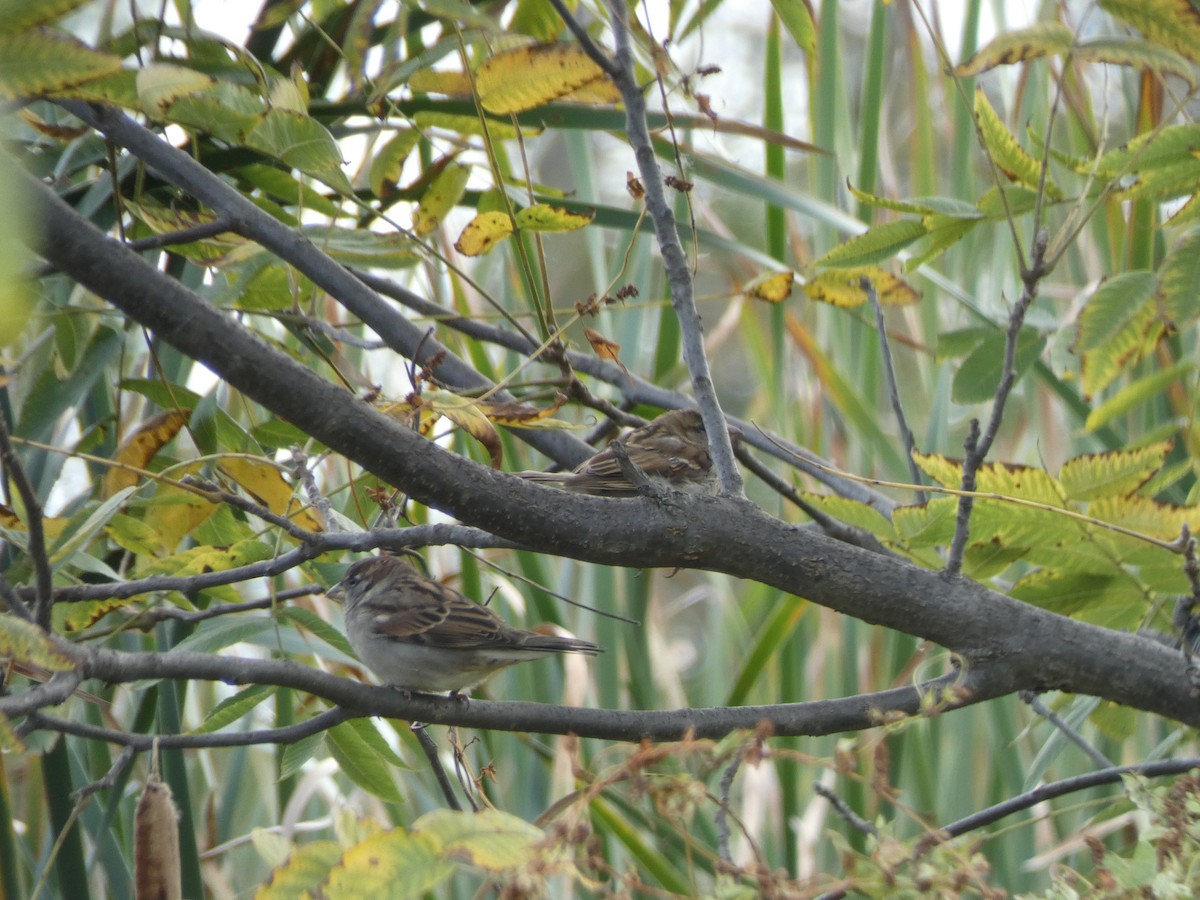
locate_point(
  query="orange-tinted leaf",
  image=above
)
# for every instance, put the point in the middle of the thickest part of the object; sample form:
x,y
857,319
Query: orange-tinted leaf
x,y
140,447
605,349
483,233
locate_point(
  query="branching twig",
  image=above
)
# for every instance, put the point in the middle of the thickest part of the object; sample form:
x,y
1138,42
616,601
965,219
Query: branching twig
x,y
857,822
675,264
977,448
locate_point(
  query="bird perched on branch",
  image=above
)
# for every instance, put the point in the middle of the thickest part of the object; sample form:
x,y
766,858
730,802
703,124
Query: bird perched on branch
x,y
419,635
672,449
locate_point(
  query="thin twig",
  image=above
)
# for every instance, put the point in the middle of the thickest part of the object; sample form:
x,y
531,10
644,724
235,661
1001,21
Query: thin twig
x,y
1034,702
124,758
1113,775
429,746
721,821
36,547
145,742
828,524
889,369
304,474
678,271
219,495
843,809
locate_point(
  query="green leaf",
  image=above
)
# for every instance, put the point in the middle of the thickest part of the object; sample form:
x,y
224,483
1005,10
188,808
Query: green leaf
x,y
303,143
217,634
1135,394
233,708
928,525
310,621
874,245
491,839
296,754
389,161
442,195
1124,50
979,374
1178,276
360,752
797,19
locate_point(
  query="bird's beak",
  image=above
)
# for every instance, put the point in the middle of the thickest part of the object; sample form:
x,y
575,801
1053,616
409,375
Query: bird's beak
x,y
336,593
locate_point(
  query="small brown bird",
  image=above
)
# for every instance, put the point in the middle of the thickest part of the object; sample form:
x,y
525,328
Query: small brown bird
x,y
419,635
672,449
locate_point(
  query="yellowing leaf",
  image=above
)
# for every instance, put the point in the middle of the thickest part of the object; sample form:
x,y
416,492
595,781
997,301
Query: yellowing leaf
x,y
521,79
490,839
389,161
1112,474
75,617
544,217
465,413
410,865
1042,39
774,287
445,191
174,513
483,233
1006,153
161,84
843,287
428,81
605,349
263,481
1171,23
464,124
524,415
140,447
24,642
38,62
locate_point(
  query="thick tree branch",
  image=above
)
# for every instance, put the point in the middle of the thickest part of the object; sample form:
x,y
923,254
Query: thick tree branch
x,y
1039,650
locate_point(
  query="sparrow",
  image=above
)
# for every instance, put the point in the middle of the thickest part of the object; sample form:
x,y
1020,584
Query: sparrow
x,y
672,449
419,635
